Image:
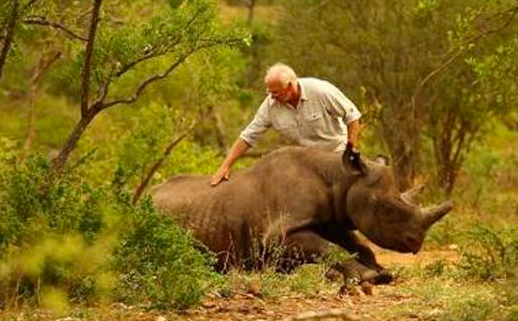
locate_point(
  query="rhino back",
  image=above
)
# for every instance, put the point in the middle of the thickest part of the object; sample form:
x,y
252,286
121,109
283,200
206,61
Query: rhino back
x,y
285,185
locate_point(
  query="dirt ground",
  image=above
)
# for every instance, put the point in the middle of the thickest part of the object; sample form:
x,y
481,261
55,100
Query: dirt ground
x,y
355,305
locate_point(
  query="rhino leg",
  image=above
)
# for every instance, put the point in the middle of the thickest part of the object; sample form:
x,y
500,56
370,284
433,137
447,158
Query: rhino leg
x,y
307,246
364,267
299,248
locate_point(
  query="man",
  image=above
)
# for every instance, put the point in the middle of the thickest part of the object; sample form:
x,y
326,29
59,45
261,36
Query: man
x,y
309,111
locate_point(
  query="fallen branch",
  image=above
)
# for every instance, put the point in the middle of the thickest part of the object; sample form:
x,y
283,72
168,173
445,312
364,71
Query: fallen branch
x,y
333,314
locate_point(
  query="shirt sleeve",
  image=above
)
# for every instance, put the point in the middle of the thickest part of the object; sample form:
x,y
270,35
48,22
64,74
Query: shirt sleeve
x,y
340,106
258,126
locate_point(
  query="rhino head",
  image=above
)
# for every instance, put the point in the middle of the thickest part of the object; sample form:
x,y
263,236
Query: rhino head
x,y
383,214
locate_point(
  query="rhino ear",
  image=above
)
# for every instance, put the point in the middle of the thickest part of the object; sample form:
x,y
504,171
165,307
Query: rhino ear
x,y
382,159
353,162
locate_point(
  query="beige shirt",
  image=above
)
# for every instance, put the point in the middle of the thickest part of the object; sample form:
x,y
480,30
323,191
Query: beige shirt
x,y
319,120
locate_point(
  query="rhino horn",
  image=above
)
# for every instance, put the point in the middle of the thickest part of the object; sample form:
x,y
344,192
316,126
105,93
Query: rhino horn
x,y
432,214
411,196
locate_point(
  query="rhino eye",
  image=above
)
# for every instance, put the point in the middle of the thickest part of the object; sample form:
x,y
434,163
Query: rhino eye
x,y
390,212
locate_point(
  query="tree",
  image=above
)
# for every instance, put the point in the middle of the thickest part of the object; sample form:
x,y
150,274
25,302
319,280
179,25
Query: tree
x,y
479,88
398,52
120,61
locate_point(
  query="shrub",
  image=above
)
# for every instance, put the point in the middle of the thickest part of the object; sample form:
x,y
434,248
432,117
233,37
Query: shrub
x,y
157,262
68,240
490,253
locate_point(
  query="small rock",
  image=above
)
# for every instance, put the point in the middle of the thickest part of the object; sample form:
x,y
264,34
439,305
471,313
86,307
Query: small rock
x,y
453,247
435,312
367,288
350,291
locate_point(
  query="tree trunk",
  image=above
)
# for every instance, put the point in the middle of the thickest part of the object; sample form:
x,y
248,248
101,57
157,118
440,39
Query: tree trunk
x,y
401,135
85,76
9,35
58,163
87,113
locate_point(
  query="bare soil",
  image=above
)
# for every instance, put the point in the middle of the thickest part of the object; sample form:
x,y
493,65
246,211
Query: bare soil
x,y
354,305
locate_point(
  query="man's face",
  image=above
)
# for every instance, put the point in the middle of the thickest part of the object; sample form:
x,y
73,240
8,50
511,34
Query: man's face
x,y
278,92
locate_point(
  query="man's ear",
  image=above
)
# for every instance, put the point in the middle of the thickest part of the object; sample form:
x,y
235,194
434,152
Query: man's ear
x,y
353,163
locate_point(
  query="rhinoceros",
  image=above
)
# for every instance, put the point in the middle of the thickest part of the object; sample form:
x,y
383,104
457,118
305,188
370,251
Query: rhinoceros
x,y
304,199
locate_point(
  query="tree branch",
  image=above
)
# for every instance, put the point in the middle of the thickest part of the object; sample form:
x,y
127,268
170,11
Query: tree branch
x,y
38,71
325,315
154,78
9,35
103,91
156,53
29,4
85,77
146,83
159,163
512,12
37,20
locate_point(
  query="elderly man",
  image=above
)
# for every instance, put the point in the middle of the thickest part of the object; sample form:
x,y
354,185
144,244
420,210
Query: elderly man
x,y
309,111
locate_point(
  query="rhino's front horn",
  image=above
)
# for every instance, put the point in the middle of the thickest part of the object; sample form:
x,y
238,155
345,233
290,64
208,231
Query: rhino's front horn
x,y
434,213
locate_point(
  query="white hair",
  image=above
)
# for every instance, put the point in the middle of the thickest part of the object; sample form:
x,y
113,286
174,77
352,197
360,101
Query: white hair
x,y
281,73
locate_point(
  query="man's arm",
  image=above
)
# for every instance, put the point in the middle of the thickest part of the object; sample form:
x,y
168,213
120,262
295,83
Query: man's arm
x,y
238,149
248,138
353,129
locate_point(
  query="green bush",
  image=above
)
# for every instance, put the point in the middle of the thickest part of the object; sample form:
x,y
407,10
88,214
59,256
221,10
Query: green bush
x,y
68,240
490,253
157,262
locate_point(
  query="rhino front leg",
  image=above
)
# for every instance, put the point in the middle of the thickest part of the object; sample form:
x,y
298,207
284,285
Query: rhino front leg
x,y
364,267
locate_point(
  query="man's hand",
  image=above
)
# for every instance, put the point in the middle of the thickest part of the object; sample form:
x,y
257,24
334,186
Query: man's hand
x,y
223,173
350,147
354,157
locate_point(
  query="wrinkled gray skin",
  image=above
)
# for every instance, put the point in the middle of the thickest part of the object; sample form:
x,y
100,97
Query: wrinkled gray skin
x,y
304,199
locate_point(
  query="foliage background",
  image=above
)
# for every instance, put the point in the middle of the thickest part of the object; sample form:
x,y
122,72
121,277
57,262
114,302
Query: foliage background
x,y
436,81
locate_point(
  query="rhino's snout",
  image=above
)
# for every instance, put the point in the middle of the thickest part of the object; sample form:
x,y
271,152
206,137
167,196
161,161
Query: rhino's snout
x,y
411,244
414,243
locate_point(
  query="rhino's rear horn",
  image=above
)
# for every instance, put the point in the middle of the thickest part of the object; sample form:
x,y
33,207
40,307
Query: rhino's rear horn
x,y
411,196
434,213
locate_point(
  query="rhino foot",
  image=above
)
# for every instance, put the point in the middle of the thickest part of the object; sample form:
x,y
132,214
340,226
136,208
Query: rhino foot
x,y
382,277
374,277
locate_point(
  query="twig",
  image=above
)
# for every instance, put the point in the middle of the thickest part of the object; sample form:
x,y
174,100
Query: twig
x,y
157,53
43,66
513,11
159,163
146,83
166,73
36,20
29,4
316,316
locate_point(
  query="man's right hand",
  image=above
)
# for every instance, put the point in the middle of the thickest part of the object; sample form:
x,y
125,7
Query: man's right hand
x,y
223,173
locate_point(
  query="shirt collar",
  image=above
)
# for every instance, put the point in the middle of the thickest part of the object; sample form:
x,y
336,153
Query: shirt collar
x,y
302,91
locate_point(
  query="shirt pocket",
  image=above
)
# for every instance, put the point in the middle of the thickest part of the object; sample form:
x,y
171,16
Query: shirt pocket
x,y
313,116
314,123
287,126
